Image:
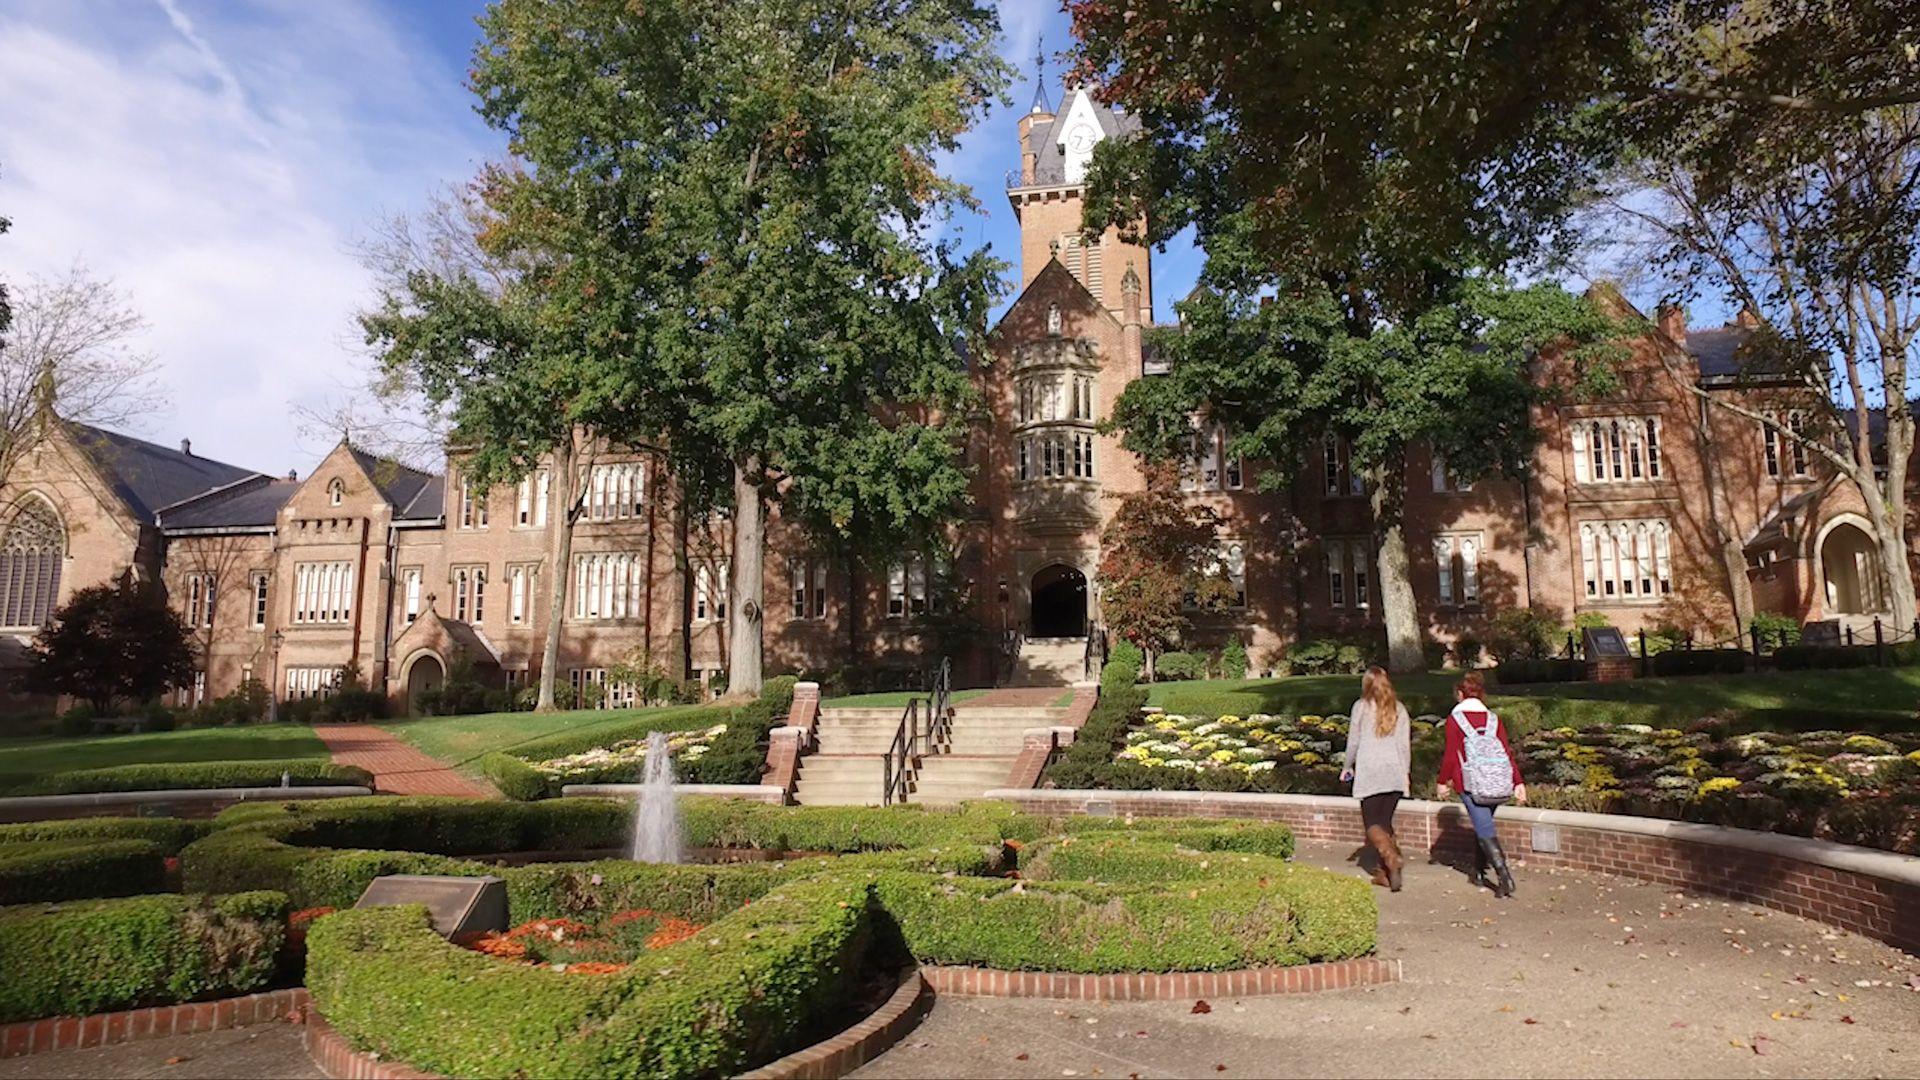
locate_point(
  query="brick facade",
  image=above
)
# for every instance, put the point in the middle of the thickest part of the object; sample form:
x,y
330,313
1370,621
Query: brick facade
x,y
438,579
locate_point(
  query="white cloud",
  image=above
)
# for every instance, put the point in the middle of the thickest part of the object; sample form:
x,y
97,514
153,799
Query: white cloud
x,y
218,163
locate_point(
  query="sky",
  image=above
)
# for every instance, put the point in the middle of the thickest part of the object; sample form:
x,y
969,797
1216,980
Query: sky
x,y
221,161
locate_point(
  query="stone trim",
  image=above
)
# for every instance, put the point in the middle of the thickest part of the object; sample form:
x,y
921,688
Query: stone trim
x,y
1868,892
131,1025
786,744
860,1043
179,802
1164,986
334,1056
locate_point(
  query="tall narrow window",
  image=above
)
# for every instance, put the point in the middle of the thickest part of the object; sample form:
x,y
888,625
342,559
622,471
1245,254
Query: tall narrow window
x,y
1617,450
1626,560
1469,570
517,595
410,585
1362,561
323,592
809,587
32,554
336,491
1771,436
1330,456
1797,423
523,502
542,484
896,590
473,506
1235,563
1443,562
1336,575
260,583
710,592
462,596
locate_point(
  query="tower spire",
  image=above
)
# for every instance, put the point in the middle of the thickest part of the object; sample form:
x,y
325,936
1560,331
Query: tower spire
x,y
1040,102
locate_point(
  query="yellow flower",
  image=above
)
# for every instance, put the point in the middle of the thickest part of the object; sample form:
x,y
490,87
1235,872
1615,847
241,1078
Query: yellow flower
x,y
1719,784
1229,719
1307,758
1221,755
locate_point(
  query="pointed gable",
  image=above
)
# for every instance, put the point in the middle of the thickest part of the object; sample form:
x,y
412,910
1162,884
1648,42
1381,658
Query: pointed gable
x,y
1028,318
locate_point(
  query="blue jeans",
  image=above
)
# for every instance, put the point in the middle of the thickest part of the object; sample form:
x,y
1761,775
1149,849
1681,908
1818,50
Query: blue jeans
x,y
1481,816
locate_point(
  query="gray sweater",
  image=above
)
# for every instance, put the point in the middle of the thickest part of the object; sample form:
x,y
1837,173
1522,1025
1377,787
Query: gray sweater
x,y
1379,763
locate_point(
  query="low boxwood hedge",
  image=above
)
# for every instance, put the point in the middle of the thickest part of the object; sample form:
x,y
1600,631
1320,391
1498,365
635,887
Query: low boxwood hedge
x,y
197,775
43,870
94,956
767,979
1517,672
1699,662
171,834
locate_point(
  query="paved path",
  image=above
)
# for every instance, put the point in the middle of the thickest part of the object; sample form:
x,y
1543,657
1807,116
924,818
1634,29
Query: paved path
x,y
1018,697
398,769
259,1050
1580,975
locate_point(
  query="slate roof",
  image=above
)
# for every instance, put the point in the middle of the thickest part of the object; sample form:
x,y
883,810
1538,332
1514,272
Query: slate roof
x,y
150,477
1049,162
250,504
401,485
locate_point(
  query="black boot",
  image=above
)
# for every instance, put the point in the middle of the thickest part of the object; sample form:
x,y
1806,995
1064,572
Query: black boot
x,y
1480,865
1496,856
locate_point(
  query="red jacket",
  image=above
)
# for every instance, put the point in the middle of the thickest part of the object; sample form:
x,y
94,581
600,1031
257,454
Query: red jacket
x,y
1454,758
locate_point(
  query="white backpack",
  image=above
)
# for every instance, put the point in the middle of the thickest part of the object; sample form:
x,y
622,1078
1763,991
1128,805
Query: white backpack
x,y
1487,771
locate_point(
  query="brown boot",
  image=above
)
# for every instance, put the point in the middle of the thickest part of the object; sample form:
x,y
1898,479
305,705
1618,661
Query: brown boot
x,y
1393,860
1385,865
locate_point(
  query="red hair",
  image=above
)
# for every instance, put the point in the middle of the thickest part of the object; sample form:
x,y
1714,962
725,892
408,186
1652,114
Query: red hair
x,y
1471,685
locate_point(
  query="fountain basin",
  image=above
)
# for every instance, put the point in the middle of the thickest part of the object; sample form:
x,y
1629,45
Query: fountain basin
x,y
766,793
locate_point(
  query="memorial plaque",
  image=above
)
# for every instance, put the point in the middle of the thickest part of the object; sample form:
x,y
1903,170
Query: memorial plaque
x,y
1825,632
1604,641
457,905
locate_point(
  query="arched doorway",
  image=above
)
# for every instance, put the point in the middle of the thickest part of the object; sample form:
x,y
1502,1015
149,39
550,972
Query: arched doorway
x,y
1850,567
1059,602
424,674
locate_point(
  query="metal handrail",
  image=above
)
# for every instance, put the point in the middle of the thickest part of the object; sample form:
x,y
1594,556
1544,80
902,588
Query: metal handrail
x,y
893,767
940,706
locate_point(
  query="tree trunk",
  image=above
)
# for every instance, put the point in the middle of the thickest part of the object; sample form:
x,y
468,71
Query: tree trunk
x,y
560,551
1402,615
748,571
1890,537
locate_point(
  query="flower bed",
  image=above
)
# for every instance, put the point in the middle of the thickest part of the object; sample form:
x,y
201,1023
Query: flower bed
x,y
623,760
1851,787
746,961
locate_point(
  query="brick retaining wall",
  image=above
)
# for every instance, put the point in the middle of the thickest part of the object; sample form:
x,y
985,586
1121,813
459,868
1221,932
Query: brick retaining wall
x,y
128,1025
1873,893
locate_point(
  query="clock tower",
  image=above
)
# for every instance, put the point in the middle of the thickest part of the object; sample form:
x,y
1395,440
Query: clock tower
x,y
1049,193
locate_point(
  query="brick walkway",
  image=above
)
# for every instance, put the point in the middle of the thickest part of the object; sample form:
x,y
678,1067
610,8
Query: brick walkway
x,y
1035,697
398,769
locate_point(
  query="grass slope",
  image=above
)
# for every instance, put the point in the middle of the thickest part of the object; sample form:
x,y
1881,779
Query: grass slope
x,y
459,740
28,759
1874,698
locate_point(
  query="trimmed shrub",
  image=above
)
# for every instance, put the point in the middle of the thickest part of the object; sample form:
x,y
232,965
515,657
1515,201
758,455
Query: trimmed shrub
x,y
1293,916
83,958
1121,859
192,775
1093,748
1126,652
1805,657
1524,634
1699,662
1775,630
76,868
171,834
748,988
1517,672
1331,656
515,778
1118,676
1233,659
1175,666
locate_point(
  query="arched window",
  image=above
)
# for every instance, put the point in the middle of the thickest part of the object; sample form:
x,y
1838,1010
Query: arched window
x,y
31,555
336,492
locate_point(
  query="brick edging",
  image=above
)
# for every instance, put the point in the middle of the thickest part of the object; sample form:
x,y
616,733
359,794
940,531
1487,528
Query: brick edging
x,y
1165,986
860,1043
25,1037
334,1056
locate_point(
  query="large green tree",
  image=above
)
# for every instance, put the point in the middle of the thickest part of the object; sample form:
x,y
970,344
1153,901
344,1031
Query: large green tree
x,y
113,642
752,190
1287,370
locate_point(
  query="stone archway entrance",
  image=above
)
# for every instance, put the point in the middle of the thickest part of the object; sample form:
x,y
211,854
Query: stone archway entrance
x,y
1850,570
424,674
1059,603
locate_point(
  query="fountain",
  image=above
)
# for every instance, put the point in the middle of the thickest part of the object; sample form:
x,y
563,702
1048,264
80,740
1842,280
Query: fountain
x,y
656,814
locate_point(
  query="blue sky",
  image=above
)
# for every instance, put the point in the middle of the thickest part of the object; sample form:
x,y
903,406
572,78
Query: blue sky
x,y
220,160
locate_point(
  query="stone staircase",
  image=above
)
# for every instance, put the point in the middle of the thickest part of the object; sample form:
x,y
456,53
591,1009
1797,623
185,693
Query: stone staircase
x,y
976,756
1050,662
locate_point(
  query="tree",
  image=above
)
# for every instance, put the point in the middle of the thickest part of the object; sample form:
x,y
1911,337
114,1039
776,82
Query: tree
x,y
113,642
1157,561
69,349
1289,373
751,192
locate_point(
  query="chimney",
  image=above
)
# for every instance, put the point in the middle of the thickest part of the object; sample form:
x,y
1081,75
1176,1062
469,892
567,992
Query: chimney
x,y
186,447
1673,322
1131,317
1748,319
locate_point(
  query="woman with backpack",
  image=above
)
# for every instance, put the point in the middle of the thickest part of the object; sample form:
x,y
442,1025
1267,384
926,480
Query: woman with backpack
x,y
1377,762
1480,765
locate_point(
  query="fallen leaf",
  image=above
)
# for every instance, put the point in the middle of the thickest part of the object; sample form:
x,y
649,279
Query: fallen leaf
x,y
1529,1020
1019,1057
177,1060
1762,1045
1846,1019
1201,1007
1219,1068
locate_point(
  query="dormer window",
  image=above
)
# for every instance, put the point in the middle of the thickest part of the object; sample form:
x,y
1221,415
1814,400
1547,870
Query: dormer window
x,y
336,492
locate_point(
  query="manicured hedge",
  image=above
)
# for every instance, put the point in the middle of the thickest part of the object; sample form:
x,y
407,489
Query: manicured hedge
x,y
1699,662
198,775
515,778
171,834
767,979
47,870
1293,916
1119,859
1805,657
1517,672
101,955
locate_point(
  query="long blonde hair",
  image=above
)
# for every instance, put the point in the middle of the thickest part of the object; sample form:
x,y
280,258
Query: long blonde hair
x,y
1376,689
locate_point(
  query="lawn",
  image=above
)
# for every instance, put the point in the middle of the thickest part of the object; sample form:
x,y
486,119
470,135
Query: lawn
x,y
1879,699
896,699
24,759
459,740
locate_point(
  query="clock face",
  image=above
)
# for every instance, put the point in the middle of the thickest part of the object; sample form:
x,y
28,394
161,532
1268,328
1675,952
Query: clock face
x,y
1081,139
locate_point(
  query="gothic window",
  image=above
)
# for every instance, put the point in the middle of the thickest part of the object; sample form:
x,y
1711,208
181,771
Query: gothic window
x,y
1053,319
1613,450
31,556
336,492
1626,560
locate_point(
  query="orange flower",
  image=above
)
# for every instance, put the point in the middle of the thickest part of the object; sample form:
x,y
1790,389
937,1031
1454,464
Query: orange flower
x,y
672,931
594,967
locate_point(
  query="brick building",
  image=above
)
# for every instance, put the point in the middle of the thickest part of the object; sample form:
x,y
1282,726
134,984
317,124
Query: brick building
x,y
1649,507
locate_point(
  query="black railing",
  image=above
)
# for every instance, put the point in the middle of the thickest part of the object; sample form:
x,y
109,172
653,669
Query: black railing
x,y
940,706
1054,176
896,766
